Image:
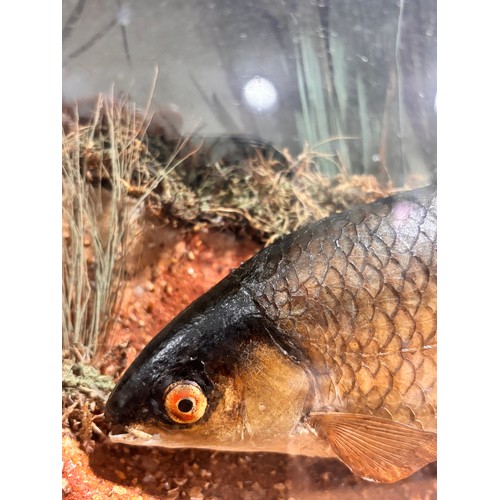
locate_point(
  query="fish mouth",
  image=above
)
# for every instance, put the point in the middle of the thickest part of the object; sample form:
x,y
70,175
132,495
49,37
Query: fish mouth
x,y
133,436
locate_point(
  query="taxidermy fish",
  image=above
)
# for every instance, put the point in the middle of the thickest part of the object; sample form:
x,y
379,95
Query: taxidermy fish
x,y
323,344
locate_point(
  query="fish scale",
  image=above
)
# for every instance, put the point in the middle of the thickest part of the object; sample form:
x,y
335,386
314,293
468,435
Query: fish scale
x,y
322,344
373,273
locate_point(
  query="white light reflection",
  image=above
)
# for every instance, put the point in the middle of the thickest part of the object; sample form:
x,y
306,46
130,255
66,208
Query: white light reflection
x,y
260,94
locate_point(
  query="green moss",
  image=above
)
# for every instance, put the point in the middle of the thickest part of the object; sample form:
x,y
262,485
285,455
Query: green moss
x,y
85,378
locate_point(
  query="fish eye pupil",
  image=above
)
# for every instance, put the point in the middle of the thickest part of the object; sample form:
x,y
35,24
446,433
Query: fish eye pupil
x,y
185,405
184,402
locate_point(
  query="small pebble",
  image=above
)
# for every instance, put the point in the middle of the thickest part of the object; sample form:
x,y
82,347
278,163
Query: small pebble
x,y
190,255
256,486
148,478
119,490
204,473
173,493
180,248
279,486
195,493
66,489
120,474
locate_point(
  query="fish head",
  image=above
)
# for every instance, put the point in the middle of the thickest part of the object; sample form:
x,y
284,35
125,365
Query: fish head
x,y
213,378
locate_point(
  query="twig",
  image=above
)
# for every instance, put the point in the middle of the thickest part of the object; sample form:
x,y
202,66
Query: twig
x,y
400,83
73,19
86,46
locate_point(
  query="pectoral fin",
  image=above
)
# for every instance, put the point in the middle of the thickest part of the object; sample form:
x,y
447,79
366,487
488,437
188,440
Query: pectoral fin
x,y
376,448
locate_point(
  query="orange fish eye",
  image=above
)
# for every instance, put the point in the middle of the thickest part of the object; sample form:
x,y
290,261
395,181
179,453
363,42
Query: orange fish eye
x,y
184,402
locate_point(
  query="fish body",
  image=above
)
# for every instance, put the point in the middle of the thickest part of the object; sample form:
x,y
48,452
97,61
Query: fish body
x,y
322,344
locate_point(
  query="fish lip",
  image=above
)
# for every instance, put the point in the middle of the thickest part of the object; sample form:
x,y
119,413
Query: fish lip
x,y
134,436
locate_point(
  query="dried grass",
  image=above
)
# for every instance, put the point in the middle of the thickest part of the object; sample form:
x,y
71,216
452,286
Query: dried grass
x,y
106,182
261,199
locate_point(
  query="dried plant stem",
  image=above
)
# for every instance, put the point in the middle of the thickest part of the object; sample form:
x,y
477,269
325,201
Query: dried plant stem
x,y
100,224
